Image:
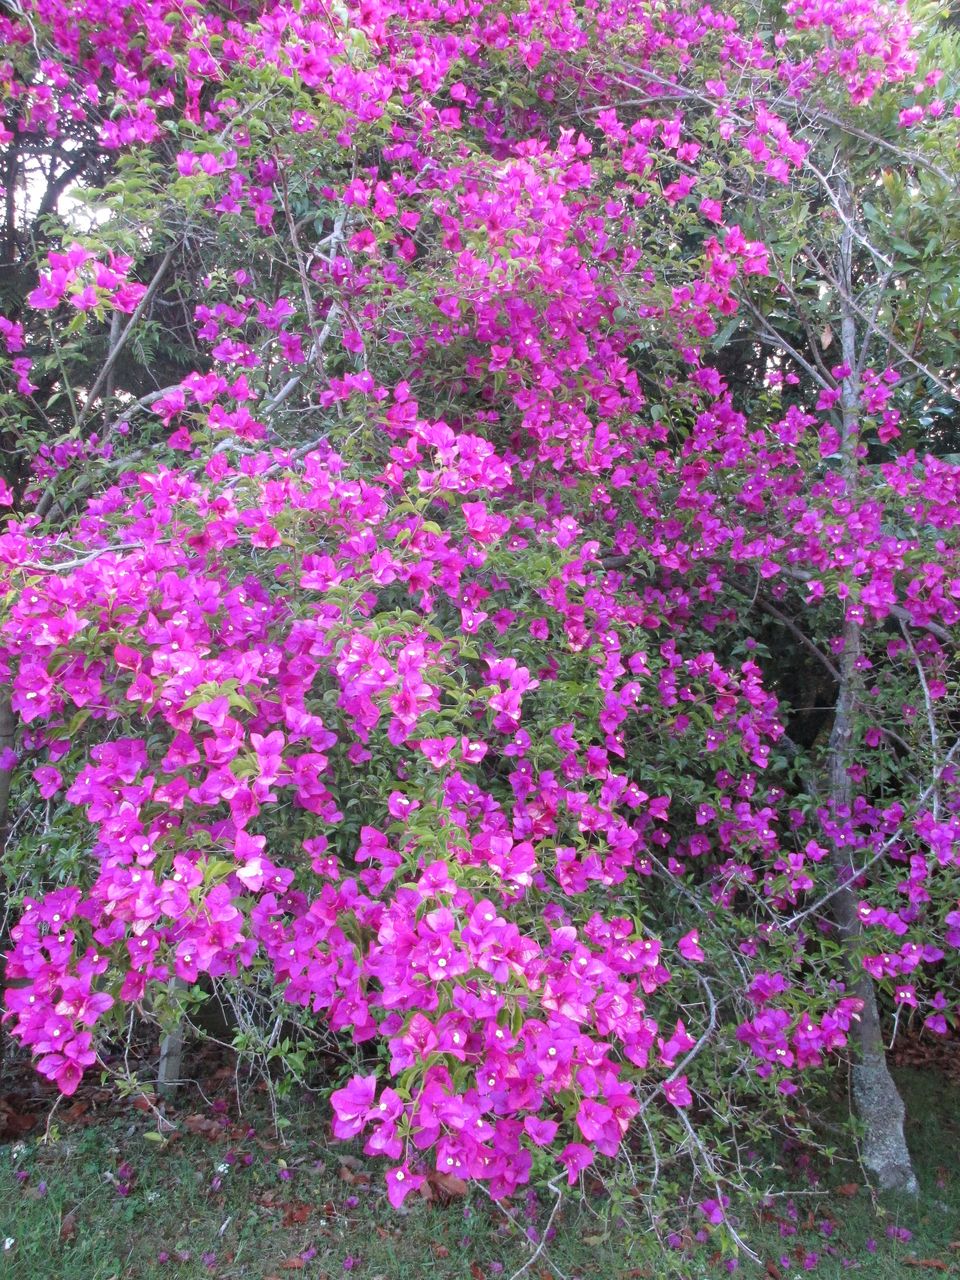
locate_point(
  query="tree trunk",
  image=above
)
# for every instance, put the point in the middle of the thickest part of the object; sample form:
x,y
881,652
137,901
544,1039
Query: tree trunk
x,y
876,1097
170,1069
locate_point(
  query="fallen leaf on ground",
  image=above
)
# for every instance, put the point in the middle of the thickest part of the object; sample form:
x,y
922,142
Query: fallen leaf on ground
x,y
353,1173
296,1213
13,1123
448,1183
201,1125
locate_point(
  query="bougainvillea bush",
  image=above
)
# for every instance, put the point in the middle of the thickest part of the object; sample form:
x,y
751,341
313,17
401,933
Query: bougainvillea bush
x,y
401,586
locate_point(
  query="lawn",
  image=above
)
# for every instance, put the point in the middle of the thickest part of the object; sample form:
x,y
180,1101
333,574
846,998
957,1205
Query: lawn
x,y
101,1195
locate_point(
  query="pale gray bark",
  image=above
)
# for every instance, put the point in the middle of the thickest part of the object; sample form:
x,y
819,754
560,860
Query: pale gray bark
x,y
170,1069
876,1098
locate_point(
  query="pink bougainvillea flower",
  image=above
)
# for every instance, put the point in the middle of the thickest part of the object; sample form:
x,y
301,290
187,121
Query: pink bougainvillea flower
x,y
689,947
400,1183
352,1105
678,1092
575,1157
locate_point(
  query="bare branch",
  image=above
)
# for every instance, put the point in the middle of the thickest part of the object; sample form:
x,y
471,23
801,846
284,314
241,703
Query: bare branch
x,y
128,331
884,849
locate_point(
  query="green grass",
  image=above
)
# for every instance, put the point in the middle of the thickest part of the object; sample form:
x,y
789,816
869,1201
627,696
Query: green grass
x,y
231,1202
856,1232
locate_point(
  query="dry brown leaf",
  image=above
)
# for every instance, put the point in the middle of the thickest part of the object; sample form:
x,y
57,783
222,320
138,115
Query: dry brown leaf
x,y
448,1183
201,1125
352,1178
14,1123
295,1213
848,1189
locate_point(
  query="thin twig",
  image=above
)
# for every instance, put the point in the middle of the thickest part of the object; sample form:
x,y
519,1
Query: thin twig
x,y
558,1192
931,718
